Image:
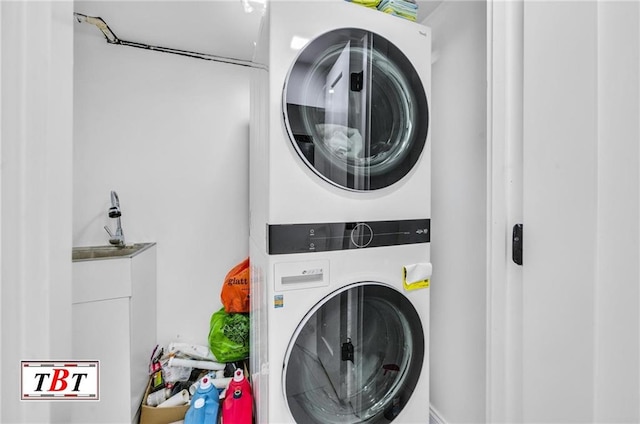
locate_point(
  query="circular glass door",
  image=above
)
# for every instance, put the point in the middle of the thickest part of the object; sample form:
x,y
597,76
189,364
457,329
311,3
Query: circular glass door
x,y
355,109
355,358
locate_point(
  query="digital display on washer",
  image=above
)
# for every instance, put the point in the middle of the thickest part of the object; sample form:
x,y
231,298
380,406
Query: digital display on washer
x,y
322,237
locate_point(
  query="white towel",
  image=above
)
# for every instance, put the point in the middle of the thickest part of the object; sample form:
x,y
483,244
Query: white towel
x,y
416,276
344,141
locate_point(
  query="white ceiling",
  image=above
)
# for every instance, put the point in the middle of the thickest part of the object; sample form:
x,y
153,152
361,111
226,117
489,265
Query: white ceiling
x,y
216,27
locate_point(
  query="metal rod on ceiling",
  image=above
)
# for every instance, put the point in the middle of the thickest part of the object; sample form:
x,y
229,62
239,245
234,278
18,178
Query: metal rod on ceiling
x,y
113,39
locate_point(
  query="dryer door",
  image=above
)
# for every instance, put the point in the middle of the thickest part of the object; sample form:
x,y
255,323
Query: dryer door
x,y
356,110
355,358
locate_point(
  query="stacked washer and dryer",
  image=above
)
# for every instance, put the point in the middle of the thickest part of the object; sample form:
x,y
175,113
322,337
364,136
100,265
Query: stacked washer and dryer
x,y
340,216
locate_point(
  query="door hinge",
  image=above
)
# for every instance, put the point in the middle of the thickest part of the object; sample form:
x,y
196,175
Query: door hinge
x,y
516,244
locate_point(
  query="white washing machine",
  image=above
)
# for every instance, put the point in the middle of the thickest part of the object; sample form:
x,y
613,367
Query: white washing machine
x,y
341,336
339,116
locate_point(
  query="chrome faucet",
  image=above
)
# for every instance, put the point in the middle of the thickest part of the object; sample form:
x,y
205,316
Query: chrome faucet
x,y
114,212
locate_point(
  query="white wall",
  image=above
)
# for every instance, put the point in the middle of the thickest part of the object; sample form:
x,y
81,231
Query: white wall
x,y
170,135
35,141
458,293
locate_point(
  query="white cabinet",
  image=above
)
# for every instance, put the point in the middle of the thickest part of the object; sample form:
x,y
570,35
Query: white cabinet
x,y
114,322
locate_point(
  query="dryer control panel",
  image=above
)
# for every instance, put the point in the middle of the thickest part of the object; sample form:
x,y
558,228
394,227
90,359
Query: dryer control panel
x,y
322,237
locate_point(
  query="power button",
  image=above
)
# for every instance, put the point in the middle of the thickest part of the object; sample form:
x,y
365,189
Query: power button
x,y
361,235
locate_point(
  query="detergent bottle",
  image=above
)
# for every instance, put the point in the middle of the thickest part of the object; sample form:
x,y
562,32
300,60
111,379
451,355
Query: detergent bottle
x,y
204,404
237,407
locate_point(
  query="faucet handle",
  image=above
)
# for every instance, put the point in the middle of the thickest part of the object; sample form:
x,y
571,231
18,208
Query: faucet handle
x,y
108,231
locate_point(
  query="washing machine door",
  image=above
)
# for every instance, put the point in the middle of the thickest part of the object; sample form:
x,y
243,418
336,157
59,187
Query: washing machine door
x,y
356,110
355,358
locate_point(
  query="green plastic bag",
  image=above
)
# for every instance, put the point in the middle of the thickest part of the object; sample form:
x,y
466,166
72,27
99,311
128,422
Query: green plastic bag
x,y
229,336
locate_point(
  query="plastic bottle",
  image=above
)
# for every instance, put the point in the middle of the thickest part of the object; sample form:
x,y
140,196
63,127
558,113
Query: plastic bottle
x,y
157,397
204,404
217,378
238,403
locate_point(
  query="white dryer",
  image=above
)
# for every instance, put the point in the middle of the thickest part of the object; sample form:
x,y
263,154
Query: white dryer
x,y
337,336
339,116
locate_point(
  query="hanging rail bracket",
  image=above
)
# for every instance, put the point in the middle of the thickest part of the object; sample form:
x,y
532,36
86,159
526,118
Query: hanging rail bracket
x,y
113,39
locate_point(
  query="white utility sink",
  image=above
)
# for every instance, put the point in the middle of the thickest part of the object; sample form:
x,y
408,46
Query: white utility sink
x,y
90,253
114,322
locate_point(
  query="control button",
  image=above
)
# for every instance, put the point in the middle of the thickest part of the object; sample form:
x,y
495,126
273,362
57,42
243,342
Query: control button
x,y
361,235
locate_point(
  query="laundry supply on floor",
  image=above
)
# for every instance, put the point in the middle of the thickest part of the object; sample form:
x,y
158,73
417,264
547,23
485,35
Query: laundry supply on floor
x,y
192,363
181,370
157,397
238,403
178,399
188,380
218,380
191,351
229,336
229,326
167,395
173,370
204,405
235,289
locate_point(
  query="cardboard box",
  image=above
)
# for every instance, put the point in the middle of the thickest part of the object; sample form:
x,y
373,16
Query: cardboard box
x,y
155,415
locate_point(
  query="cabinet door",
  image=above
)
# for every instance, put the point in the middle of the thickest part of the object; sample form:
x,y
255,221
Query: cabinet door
x,y
580,300
101,332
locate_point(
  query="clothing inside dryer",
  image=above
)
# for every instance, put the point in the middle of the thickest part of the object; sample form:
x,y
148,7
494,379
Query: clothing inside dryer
x,y
356,359
356,110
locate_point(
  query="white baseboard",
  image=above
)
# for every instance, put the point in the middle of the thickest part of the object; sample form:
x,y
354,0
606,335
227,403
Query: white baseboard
x,y
435,417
